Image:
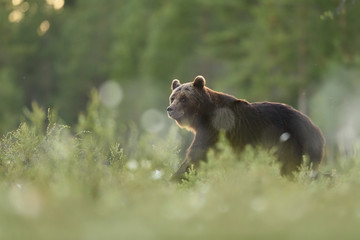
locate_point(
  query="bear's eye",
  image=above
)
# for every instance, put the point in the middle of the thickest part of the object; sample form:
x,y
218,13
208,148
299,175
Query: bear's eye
x,y
172,99
182,99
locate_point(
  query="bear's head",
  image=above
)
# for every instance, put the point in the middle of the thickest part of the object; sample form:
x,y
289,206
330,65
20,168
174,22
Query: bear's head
x,y
187,101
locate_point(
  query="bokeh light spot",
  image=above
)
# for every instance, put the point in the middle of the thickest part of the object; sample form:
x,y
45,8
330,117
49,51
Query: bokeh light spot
x,y
44,27
284,137
258,205
16,2
110,94
223,118
16,16
57,4
153,120
24,7
157,174
26,202
132,164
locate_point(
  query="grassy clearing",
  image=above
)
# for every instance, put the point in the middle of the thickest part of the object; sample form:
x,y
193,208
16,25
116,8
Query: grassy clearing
x,y
55,184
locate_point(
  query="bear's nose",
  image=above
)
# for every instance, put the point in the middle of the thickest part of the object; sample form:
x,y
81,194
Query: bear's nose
x,y
169,109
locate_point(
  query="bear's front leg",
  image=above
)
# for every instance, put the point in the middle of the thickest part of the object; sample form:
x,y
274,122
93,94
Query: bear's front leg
x,y
196,152
193,158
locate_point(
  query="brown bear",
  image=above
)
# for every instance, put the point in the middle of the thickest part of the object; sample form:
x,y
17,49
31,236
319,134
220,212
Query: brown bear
x,y
206,113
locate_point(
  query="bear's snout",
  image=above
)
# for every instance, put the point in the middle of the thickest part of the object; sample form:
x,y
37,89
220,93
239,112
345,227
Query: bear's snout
x,y
169,109
174,113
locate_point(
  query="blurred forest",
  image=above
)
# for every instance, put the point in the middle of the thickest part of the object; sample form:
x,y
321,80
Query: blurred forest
x,y
305,53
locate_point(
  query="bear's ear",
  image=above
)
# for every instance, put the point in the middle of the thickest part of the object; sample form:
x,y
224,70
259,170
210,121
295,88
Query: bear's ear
x,y
199,82
175,84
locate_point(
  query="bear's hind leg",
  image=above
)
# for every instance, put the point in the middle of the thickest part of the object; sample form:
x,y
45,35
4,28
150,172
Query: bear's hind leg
x,y
290,159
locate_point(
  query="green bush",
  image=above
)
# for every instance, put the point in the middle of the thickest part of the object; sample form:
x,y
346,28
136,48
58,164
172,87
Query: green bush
x,y
96,180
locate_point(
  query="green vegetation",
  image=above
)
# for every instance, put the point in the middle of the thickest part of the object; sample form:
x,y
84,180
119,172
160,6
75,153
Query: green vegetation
x,y
58,185
96,166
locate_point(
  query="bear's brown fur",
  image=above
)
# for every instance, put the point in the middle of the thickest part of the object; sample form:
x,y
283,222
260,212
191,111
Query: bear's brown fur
x,y
206,112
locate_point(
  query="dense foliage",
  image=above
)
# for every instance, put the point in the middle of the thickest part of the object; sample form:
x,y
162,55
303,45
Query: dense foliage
x,y
55,185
